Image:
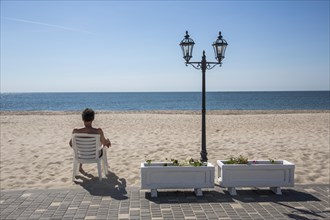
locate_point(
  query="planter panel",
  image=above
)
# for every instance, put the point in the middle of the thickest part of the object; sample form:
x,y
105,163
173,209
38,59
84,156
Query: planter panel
x,y
256,174
157,176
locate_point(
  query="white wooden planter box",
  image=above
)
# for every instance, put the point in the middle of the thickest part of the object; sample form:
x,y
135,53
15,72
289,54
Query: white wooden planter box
x,y
157,176
256,174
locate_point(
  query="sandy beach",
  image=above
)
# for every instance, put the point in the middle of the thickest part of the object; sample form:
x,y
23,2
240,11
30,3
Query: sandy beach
x,y
35,151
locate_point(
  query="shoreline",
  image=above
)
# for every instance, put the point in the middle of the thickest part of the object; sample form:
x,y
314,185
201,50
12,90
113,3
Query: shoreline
x,y
180,112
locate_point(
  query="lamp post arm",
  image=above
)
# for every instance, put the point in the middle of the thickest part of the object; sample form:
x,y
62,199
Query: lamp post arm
x,y
198,65
211,65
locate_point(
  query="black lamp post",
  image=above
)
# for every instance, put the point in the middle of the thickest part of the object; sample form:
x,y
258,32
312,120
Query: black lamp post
x,y
219,46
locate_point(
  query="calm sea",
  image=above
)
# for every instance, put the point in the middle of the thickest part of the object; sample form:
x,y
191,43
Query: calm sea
x,y
316,100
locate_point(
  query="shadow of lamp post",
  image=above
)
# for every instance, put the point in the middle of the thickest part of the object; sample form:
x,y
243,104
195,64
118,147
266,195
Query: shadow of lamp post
x,y
187,45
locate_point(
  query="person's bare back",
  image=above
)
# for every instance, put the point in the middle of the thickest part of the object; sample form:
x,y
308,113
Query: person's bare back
x,y
87,130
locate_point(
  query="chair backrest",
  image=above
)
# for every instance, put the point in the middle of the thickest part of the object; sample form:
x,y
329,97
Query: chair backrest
x,y
86,147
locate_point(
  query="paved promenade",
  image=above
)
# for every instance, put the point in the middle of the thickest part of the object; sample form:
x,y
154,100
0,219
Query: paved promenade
x,y
120,202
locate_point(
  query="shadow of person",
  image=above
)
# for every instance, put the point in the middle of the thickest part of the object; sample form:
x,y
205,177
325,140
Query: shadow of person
x,y
112,185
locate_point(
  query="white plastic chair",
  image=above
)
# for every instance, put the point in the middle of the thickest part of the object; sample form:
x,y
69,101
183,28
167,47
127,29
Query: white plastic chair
x,y
87,149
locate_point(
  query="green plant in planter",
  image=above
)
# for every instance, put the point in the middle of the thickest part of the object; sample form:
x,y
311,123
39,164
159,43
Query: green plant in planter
x,y
174,162
148,162
272,161
237,160
195,163
244,160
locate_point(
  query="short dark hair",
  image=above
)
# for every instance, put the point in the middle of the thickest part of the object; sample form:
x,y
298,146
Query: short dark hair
x,y
88,114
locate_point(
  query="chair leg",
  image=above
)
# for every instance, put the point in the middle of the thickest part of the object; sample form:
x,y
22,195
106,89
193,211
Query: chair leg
x,y
99,169
104,167
106,158
105,161
74,171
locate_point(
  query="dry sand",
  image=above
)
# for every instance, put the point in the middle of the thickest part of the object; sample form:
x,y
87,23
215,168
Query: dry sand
x,y
35,151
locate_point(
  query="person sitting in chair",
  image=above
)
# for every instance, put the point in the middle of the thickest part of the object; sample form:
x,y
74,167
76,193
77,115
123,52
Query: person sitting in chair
x,y
88,117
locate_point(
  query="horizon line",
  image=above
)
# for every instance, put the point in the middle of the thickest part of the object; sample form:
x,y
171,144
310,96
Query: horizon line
x,y
26,92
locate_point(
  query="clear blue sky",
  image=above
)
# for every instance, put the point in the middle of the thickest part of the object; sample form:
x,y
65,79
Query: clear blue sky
x,y
115,46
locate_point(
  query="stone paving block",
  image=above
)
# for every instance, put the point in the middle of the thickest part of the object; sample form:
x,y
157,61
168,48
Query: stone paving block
x,y
101,217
